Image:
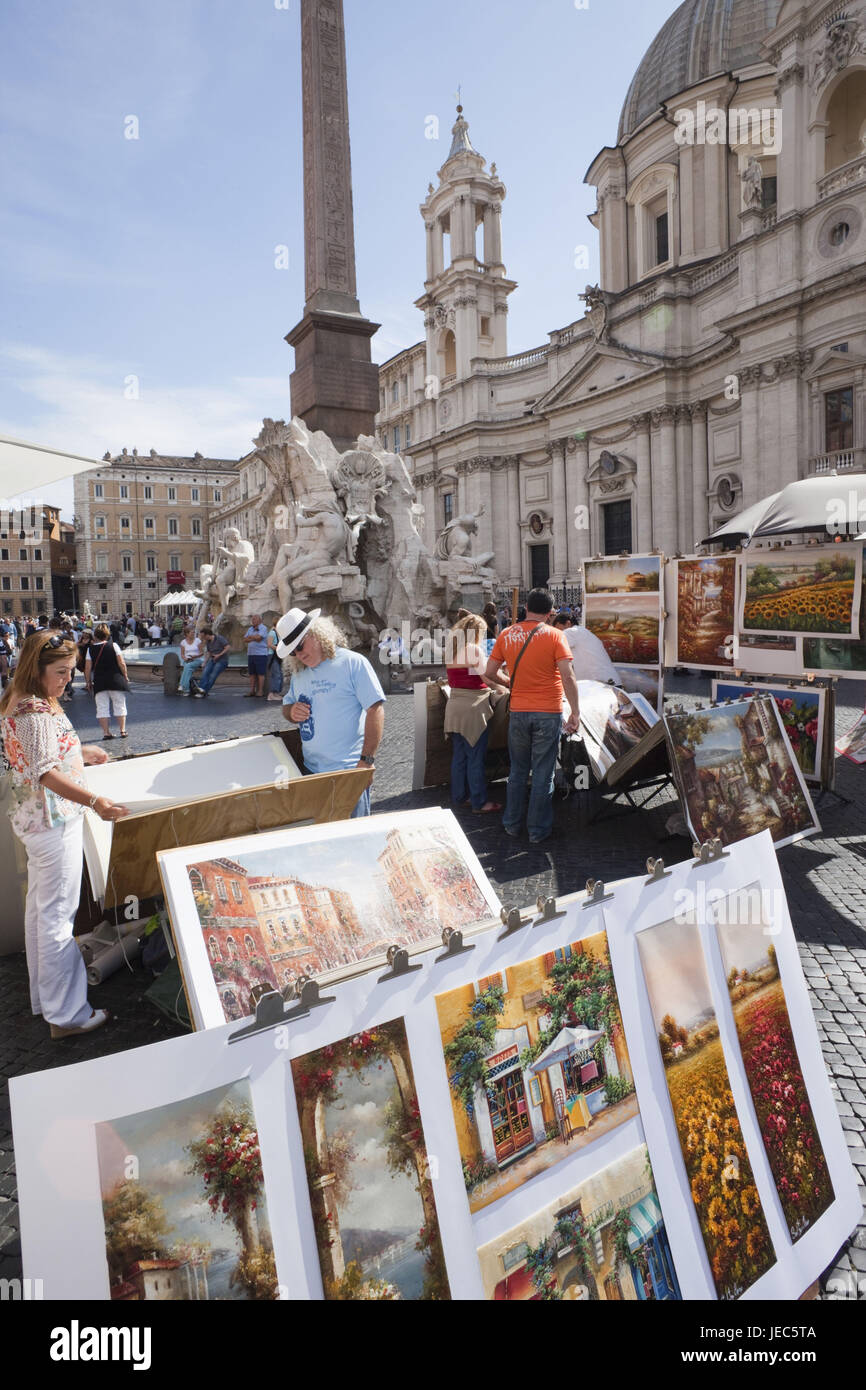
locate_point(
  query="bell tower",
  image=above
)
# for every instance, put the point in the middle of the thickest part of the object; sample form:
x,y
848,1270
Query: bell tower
x,y
465,291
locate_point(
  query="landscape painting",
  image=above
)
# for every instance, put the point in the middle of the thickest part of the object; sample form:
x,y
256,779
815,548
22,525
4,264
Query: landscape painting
x,y
838,656
183,1201
624,574
537,1065
720,1177
736,774
603,1241
772,1068
614,720
794,591
801,710
706,611
323,903
627,626
374,1213
642,680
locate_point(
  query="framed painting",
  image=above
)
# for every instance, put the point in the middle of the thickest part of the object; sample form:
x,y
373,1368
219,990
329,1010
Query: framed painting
x,y
737,775
614,720
256,913
768,655
647,681
702,612
623,574
814,591
628,626
802,709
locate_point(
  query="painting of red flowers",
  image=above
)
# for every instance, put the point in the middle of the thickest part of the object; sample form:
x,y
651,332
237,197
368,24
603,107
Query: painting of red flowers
x,y
720,1176
374,1213
801,710
773,1072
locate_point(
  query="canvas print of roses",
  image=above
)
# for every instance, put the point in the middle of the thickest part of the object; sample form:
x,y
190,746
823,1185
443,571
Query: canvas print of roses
x,y
374,1213
801,711
793,591
772,1069
722,1183
706,611
183,1201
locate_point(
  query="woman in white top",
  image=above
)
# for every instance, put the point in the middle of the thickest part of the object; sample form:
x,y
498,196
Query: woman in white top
x,y
49,794
192,656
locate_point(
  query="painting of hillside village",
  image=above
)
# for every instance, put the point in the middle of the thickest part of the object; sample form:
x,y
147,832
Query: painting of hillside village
x,y
736,774
706,612
324,906
719,1173
796,592
766,1037
626,625
604,1241
537,1065
626,574
183,1201
374,1213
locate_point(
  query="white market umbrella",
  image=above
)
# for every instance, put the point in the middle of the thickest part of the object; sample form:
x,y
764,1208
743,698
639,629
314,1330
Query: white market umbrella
x,y
829,502
32,466
565,1044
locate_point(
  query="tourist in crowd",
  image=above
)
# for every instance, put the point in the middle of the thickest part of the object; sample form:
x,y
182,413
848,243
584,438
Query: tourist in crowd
x,y
155,633
256,640
176,630
5,660
468,713
192,656
107,678
218,652
334,695
589,656
275,667
539,664
488,613
562,620
49,793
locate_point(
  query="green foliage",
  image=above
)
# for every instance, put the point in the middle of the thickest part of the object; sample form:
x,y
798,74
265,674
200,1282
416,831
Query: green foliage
x,y
256,1270
581,992
229,1161
353,1287
621,1229
464,1054
478,1170
616,1088
135,1224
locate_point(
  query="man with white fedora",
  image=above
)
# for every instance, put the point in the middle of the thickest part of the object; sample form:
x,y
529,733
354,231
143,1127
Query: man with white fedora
x,y
334,695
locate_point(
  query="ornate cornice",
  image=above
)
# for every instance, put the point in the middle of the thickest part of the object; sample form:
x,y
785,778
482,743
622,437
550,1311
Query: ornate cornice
x,y
663,415
465,301
795,73
764,373
501,308
698,410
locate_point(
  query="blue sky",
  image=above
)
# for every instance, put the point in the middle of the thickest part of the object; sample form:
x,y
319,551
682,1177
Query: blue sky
x,y
154,258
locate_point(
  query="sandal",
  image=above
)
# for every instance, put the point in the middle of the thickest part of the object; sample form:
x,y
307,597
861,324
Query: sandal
x,y
487,809
124,735
106,737
97,1018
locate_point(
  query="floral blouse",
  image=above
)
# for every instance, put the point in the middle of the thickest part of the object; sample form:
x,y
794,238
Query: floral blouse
x,y
39,739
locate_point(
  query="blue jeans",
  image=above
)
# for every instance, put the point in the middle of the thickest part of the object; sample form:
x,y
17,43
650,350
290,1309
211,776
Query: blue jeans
x,y
363,806
275,677
187,673
533,743
467,770
212,670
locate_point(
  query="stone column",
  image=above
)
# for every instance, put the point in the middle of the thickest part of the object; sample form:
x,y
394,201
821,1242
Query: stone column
x,y
556,454
430,229
750,444
577,473
643,488
700,471
683,426
497,491
515,535
800,159
664,481
493,249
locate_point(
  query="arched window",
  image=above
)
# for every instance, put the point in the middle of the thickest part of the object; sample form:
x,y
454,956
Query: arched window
x,y
653,197
250,945
232,948
846,122
272,932
196,882
449,352
214,948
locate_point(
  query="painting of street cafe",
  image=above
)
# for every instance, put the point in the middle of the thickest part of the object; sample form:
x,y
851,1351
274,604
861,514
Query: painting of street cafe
x,y
551,1074
604,1241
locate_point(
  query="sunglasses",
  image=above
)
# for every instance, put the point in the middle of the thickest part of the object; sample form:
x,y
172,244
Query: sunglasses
x,y
55,642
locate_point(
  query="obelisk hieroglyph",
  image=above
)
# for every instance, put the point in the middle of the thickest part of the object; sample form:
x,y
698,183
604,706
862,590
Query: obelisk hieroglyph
x,y
335,386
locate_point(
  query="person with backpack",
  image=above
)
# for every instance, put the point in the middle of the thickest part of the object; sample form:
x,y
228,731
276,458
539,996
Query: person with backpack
x,y
107,678
538,659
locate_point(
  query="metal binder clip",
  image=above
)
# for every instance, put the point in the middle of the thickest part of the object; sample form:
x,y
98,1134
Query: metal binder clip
x,y
595,892
306,992
708,853
547,909
452,940
398,960
513,921
657,871
270,1012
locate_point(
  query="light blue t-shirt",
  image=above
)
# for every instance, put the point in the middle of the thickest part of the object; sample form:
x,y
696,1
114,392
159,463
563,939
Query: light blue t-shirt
x,y
340,692
260,646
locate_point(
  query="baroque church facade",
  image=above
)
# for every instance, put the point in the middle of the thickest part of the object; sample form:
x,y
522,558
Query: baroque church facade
x,y
723,353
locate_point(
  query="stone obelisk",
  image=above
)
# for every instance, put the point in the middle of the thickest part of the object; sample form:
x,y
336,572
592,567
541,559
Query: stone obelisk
x,y
335,386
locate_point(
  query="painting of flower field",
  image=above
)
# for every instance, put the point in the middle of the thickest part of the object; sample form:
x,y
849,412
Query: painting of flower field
x,y
183,1201
374,1213
604,1241
719,1173
785,591
773,1072
801,710
627,626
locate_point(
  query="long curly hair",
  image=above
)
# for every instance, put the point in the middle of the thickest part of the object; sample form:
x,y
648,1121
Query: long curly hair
x,y
36,655
329,637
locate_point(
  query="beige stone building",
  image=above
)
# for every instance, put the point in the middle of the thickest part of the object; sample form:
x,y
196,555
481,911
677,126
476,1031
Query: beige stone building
x,y
142,526
37,561
722,355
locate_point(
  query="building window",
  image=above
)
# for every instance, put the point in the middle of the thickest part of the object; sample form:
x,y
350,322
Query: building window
x,y
196,526
99,523
236,891
124,492
172,526
37,554
515,1255
126,563
125,523
395,392
149,524
193,494
221,890
22,554
7,583
150,562
250,946
396,439
839,419
217,494
768,191
25,583
98,490
448,507
197,562
148,493
172,494
213,946
40,584
407,435
662,248
4,554
174,562
103,608
7,605
485,326
101,563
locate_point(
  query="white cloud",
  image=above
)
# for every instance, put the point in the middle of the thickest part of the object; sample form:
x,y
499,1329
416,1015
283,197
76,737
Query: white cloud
x,y
365,1111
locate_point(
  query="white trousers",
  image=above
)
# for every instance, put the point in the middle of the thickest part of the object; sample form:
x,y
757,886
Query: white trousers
x,y
58,978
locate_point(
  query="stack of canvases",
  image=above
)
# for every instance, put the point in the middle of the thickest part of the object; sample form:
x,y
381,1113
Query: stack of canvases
x,y
623,608
621,1112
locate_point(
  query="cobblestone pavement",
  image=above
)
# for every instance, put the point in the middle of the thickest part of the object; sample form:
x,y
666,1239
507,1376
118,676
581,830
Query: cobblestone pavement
x,y
825,880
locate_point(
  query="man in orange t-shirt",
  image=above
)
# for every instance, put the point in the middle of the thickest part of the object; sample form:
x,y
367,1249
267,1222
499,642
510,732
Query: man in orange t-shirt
x,y
535,713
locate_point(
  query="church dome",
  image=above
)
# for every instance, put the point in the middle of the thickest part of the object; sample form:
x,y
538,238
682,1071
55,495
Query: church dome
x,y
701,39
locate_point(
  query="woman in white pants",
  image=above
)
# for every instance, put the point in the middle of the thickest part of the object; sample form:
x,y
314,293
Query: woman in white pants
x,y
106,677
46,761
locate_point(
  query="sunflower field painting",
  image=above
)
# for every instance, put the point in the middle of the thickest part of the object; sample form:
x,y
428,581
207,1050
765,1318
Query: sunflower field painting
x,y
785,591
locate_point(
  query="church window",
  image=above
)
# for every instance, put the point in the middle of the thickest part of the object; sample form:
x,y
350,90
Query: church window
x,y
450,353
485,326
768,191
839,419
616,521
840,233
845,122
448,507
395,392
662,239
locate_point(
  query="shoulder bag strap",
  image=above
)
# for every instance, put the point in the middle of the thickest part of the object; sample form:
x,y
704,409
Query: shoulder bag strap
x,y
520,653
